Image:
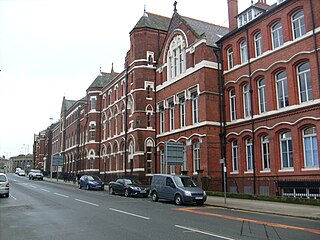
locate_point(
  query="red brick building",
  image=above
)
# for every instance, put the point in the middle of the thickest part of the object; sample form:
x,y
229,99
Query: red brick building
x,y
271,76
249,95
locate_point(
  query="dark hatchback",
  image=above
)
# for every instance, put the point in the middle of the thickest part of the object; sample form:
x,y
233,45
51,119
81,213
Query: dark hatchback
x,y
91,182
128,187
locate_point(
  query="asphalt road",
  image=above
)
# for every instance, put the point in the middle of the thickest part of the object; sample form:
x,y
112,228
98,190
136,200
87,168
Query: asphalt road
x,y
48,210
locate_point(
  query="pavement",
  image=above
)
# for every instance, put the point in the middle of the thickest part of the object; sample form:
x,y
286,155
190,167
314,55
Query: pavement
x,y
268,207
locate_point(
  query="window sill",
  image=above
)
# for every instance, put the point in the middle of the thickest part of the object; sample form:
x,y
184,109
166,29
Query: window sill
x,y
266,171
286,170
235,172
248,172
310,169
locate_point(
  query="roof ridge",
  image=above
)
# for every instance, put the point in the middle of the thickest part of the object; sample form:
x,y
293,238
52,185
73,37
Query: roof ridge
x,y
204,22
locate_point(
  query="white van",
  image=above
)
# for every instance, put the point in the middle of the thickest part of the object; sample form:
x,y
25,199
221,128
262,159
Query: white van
x,y
178,188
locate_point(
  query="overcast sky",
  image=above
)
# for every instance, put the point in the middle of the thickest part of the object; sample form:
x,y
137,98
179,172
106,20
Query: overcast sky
x,y
55,48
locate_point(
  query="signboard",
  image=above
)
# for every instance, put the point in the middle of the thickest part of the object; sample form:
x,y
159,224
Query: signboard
x,y
173,153
57,160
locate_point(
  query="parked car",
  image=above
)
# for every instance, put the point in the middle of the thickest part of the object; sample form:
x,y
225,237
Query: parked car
x,y
178,188
128,187
21,173
4,185
91,182
17,170
35,174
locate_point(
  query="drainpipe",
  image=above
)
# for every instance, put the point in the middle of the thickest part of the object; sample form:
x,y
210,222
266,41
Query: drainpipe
x,y
155,110
315,43
126,124
222,115
251,114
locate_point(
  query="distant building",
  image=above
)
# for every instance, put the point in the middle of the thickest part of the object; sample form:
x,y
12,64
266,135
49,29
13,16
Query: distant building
x,y
25,162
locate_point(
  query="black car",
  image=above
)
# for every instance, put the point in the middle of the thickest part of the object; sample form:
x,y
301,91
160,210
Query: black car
x,y
128,187
91,182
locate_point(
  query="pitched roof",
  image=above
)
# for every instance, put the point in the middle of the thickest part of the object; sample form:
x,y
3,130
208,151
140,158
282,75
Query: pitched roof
x,y
211,32
154,21
69,104
102,79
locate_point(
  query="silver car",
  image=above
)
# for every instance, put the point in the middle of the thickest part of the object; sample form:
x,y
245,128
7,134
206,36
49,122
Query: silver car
x,y
4,185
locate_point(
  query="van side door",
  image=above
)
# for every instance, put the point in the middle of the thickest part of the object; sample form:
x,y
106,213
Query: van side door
x,y
169,189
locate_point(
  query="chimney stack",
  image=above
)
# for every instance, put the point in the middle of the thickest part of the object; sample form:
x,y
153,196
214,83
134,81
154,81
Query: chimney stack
x,y
232,13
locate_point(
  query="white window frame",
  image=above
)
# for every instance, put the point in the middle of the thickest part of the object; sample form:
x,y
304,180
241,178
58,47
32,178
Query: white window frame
x,y
234,153
277,35
196,157
249,155
286,156
298,24
243,52
265,152
171,115
176,57
262,95
282,89
230,58
304,83
93,103
195,107
258,44
246,101
233,106
182,102
312,148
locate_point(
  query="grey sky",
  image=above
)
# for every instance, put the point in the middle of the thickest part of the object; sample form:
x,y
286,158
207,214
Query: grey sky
x,y
55,48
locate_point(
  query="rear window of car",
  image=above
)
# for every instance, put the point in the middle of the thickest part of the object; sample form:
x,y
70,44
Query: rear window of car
x,y
3,178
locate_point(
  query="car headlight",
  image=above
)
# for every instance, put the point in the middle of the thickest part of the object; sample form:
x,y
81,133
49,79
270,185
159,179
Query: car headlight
x,y
188,193
135,188
204,193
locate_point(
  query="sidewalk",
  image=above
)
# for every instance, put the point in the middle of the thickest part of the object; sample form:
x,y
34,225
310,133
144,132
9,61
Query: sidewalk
x,y
286,209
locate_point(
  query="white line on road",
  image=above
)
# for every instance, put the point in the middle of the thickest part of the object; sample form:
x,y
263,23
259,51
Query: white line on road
x,y
61,195
87,202
12,197
32,186
45,190
131,214
203,232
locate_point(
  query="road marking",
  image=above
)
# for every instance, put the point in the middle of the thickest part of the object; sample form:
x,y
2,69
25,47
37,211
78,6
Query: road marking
x,y
32,186
45,190
203,232
131,214
79,200
61,195
12,196
249,220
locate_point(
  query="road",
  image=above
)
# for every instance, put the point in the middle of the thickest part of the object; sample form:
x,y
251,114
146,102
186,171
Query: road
x,y
48,210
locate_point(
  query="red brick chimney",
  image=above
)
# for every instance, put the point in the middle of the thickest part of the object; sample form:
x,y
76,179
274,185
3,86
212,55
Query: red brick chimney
x,y
262,4
233,12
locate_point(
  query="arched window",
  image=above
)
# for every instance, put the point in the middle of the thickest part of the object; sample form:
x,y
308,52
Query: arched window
x,y
235,164
282,89
176,57
265,151
276,34
298,25
243,51
304,82
286,150
258,44
246,101
230,57
262,95
249,154
310,148
233,108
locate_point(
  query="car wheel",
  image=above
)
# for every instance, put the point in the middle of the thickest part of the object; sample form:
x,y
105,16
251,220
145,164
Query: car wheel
x,y
111,190
126,193
154,196
88,187
178,199
6,195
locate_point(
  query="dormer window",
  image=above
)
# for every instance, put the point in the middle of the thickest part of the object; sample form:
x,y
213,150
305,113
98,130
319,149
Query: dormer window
x,y
176,57
248,15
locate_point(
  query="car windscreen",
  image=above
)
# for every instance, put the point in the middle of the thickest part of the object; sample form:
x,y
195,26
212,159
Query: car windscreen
x,y
184,182
93,178
132,181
